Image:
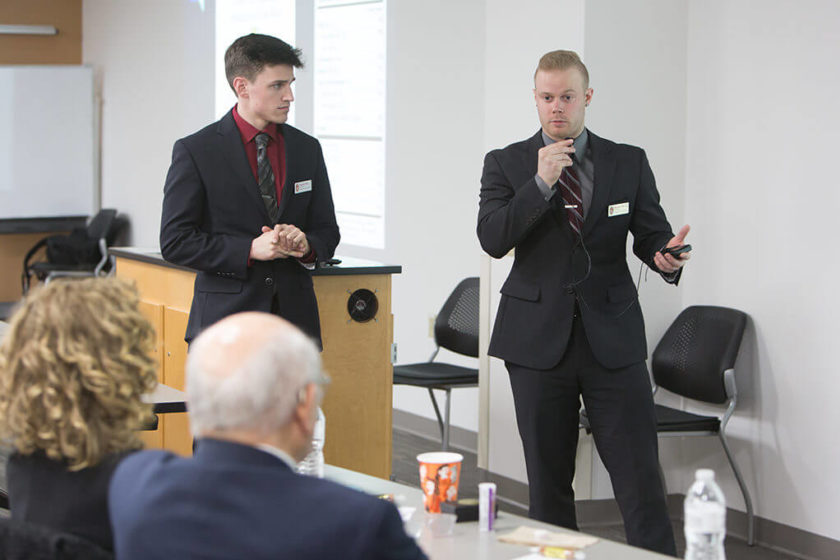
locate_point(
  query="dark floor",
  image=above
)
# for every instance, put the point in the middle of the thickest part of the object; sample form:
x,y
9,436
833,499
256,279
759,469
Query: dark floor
x,y
404,467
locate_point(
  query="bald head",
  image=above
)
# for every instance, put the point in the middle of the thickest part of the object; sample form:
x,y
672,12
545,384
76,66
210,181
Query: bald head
x,y
246,372
226,345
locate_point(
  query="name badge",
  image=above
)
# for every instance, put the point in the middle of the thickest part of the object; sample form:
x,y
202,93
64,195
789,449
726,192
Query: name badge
x,y
618,209
303,186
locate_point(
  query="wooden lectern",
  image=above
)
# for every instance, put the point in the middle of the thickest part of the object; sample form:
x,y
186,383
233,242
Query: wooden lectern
x,y
354,302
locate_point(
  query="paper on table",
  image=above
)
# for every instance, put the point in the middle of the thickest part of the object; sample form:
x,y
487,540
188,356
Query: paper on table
x,y
530,536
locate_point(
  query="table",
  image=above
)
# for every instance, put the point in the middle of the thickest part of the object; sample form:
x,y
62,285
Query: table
x,y
467,541
166,399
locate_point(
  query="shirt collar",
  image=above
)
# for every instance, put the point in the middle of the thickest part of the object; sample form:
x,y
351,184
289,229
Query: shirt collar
x,y
580,143
248,131
279,453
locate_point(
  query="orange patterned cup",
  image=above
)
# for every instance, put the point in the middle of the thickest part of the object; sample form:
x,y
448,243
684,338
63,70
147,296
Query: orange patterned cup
x,y
440,472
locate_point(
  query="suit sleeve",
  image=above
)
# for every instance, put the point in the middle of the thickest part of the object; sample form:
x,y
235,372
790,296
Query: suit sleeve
x,y
650,228
321,226
392,541
183,240
506,215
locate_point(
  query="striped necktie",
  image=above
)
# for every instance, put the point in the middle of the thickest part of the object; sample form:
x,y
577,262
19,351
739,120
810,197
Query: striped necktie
x,y
268,190
572,197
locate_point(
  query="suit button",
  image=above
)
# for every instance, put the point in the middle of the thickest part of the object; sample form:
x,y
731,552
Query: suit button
x,y
570,290
269,281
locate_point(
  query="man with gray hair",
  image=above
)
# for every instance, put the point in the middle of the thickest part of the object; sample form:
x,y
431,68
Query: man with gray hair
x,y
254,384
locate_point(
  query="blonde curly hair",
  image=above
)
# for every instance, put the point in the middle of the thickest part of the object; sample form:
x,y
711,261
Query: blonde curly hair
x,y
73,366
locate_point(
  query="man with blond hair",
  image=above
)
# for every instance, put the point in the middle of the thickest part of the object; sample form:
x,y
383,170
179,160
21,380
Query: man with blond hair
x,y
569,323
254,384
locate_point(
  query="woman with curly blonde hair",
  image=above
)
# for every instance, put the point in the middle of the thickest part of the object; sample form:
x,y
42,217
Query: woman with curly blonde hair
x,y
73,366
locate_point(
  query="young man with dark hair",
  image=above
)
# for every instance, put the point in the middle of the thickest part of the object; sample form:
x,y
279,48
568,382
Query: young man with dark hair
x,y
569,323
247,200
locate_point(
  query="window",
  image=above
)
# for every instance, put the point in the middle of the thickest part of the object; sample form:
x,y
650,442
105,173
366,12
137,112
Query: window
x,y
349,113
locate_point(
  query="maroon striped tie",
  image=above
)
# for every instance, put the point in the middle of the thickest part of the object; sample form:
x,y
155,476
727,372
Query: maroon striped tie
x,y
572,198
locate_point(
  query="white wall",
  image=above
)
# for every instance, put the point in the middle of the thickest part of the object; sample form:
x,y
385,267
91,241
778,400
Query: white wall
x,y
517,36
636,53
153,63
433,158
761,193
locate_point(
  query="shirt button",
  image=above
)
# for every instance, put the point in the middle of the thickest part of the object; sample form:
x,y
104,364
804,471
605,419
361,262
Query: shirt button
x,y
269,281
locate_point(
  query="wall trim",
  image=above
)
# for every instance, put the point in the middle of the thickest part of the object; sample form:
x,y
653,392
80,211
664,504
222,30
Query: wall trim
x,y
428,428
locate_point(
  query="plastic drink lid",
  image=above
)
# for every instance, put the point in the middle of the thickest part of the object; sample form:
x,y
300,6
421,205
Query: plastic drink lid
x,y
704,474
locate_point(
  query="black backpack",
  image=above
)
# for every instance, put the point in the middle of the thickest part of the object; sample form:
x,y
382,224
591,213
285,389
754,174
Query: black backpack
x,y
78,250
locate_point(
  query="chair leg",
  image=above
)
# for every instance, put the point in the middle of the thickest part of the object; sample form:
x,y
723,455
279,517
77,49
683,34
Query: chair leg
x,y
744,491
446,421
437,413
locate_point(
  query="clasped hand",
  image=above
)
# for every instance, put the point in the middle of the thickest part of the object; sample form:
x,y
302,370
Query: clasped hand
x,y
281,242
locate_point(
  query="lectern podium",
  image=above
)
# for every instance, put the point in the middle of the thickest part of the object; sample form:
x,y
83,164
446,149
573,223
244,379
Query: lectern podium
x,y
354,302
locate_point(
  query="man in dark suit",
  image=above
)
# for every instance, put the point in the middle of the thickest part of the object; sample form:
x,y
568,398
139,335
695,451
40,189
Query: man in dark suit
x,y
254,384
569,322
247,200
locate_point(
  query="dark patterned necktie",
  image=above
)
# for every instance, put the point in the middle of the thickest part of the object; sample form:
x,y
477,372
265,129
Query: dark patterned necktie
x,y
572,197
265,175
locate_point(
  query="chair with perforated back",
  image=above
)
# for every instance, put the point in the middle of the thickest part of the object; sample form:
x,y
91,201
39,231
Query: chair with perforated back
x,y
696,359
87,250
456,329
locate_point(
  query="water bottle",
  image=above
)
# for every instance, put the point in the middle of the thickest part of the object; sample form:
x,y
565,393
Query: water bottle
x,y
313,463
705,518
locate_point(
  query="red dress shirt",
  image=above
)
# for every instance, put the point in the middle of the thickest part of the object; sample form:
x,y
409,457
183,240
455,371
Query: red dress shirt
x,y
276,150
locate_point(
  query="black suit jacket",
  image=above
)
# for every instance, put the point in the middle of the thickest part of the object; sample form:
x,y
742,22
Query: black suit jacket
x,y
550,269
212,210
235,501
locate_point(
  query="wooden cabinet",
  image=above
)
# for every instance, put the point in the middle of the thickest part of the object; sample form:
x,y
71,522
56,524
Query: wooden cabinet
x,y
165,297
357,355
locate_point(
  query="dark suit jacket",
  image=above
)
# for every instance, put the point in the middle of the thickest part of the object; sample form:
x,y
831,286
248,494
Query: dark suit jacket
x,y
212,210
535,314
44,492
236,501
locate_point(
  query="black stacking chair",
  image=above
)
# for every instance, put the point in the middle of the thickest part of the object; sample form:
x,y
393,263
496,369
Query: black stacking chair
x,y
456,329
84,252
25,541
695,359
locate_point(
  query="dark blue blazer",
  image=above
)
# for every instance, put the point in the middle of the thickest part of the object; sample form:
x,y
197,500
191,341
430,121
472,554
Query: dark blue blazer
x,y
235,501
212,210
551,268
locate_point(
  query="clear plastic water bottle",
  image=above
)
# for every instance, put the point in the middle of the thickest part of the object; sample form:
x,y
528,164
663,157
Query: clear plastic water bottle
x,y
705,518
313,464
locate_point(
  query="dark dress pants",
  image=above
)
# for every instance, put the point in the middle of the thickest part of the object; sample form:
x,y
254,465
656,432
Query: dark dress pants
x,y
619,405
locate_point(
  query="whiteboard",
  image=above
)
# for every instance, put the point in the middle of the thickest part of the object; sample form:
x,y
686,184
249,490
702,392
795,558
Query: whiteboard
x,y
48,142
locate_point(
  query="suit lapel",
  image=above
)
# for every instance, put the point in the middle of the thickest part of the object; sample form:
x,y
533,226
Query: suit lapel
x,y
604,163
291,149
234,152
